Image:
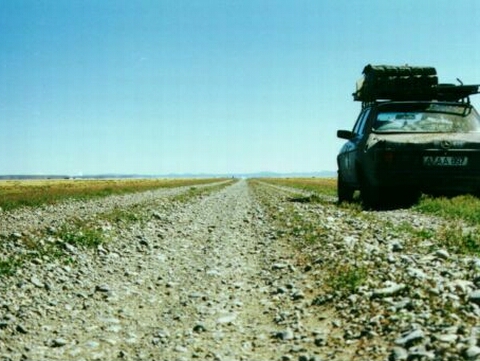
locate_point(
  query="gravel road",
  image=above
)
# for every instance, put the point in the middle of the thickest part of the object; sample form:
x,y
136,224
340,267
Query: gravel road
x,y
226,275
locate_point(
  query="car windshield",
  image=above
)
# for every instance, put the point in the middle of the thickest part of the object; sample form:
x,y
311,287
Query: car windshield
x,y
426,118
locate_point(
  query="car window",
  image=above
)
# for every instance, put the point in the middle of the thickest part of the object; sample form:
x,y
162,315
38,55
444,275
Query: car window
x,y
427,118
359,127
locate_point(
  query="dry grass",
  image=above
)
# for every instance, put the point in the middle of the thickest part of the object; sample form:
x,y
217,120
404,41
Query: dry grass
x,y
326,186
19,193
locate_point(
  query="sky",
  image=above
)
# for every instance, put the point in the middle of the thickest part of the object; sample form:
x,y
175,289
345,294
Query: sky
x,y
206,86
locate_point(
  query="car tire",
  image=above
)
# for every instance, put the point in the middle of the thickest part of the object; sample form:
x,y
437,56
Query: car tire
x,y
405,197
371,195
344,191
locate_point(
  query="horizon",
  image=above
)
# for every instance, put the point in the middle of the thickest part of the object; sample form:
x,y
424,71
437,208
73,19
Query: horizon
x,y
319,174
213,87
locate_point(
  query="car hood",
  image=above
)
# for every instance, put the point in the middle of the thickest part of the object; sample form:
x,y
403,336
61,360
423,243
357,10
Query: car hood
x,y
445,141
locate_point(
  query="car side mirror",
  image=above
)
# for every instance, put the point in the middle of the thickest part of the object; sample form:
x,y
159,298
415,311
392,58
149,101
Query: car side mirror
x,y
345,134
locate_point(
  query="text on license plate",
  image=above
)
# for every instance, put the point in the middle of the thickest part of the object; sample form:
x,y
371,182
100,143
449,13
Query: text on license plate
x,y
445,161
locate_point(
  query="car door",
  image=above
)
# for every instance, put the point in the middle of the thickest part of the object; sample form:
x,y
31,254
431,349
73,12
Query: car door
x,y
350,151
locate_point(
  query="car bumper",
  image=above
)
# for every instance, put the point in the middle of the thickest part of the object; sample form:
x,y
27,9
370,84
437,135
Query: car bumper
x,y
409,171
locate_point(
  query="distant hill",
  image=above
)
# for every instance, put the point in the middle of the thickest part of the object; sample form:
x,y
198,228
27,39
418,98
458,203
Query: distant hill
x,y
322,174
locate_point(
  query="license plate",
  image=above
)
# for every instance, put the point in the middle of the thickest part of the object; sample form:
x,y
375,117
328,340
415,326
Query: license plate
x,y
445,161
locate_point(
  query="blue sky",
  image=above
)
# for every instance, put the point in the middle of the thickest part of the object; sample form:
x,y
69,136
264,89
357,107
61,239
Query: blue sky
x,y
155,87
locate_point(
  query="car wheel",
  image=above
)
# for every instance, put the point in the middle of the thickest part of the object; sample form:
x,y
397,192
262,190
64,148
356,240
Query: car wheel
x,y
407,197
344,192
371,195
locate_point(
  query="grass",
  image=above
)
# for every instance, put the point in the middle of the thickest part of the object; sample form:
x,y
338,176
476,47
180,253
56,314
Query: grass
x,y
123,215
346,278
452,238
8,266
324,186
464,207
459,241
34,193
81,234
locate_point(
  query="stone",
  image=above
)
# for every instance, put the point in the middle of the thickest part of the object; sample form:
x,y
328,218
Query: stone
x,y
285,335
442,254
199,328
36,282
392,290
472,352
181,349
229,318
157,215
410,338
102,288
21,328
398,354
450,338
59,342
397,246
474,296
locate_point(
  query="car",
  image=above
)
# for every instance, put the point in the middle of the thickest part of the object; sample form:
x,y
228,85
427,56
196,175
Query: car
x,y
412,136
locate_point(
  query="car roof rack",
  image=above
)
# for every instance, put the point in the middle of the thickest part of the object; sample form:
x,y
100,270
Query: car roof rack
x,y
401,83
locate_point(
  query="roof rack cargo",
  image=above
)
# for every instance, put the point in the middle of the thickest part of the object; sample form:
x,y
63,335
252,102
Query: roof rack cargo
x,y
385,82
452,92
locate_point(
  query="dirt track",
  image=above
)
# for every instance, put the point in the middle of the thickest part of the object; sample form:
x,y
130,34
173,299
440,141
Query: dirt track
x,y
212,278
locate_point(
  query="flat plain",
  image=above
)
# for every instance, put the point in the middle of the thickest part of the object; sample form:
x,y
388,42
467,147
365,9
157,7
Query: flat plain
x,y
264,269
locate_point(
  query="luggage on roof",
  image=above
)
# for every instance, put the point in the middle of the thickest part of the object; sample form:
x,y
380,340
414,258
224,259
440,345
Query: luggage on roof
x,y
396,83
453,93
386,82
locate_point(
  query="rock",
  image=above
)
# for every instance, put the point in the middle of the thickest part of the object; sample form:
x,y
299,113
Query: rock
x,y
102,288
70,248
181,349
285,335
397,246
392,290
416,273
226,318
450,338
474,296
59,342
461,286
36,282
320,340
157,215
16,235
21,328
398,354
420,353
298,295
410,338
162,334
92,344
442,254
473,352
199,328
3,324
350,241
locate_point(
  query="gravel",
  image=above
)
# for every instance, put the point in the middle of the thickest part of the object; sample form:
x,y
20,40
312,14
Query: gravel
x,y
230,276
